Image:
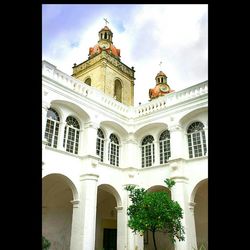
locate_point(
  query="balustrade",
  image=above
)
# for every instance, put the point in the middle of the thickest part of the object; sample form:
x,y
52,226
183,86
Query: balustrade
x,y
88,92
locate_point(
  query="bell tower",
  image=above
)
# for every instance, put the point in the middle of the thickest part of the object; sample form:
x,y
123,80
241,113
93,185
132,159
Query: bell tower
x,y
104,70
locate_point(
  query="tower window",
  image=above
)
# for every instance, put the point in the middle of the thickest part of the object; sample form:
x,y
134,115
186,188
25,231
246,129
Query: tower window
x,y
52,128
148,151
88,81
165,152
118,91
71,135
101,35
105,35
196,140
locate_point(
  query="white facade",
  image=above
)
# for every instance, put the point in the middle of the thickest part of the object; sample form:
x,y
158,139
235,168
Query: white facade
x,y
83,196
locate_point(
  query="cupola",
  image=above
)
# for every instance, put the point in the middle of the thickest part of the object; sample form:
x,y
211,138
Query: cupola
x,y
161,88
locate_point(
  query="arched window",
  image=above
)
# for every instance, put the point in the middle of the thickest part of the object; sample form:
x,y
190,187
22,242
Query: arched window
x,y
113,150
118,91
165,152
148,151
196,140
52,128
71,135
100,143
88,81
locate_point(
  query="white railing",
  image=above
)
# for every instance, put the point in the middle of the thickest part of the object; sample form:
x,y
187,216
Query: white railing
x,y
83,89
172,98
86,91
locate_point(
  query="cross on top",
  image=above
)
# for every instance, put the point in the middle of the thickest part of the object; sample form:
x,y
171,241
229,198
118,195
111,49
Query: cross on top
x,y
160,64
106,21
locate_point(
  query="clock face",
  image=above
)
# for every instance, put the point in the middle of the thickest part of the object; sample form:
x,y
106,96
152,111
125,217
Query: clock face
x,y
164,88
104,45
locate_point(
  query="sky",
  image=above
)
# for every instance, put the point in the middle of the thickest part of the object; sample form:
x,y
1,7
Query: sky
x,y
146,34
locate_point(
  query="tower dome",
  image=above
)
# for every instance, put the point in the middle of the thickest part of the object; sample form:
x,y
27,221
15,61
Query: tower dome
x,y
105,43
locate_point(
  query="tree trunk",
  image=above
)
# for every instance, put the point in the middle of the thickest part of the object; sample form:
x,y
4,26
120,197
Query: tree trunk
x,y
154,240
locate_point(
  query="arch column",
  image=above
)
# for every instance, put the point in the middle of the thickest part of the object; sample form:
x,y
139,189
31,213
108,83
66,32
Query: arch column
x,y
75,227
131,156
179,194
192,229
120,227
90,136
87,218
176,142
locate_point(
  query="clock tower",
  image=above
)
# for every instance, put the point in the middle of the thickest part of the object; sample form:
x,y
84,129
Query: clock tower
x,y
161,88
105,71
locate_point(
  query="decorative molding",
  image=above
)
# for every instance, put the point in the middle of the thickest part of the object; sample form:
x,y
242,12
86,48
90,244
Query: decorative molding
x,y
119,208
75,203
92,177
180,179
191,206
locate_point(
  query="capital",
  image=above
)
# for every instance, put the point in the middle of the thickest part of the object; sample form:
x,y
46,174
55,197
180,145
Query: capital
x,y
91,177
175,127
75,203
91,125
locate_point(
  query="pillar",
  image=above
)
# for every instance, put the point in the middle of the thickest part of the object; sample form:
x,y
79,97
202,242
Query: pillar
x,y
89,138
88,201
120,227
176,142
131,156
192,229
179,194
75,227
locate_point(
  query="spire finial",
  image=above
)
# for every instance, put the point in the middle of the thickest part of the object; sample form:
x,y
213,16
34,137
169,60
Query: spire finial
x,y
106,21
160,64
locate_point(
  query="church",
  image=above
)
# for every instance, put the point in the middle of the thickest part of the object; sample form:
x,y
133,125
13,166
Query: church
x,y
96,142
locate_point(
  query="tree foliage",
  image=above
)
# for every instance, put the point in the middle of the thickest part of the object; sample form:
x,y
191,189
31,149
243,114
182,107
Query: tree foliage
x,y
155,211
45,243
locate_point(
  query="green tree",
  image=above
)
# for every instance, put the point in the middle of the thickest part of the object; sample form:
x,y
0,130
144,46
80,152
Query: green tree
x,y
45,243
155,211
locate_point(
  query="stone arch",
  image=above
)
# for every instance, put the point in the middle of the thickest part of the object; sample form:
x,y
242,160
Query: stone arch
x,y
57,193
117,129
199,197
108,233
113,191
193,193
69,182
142,131
76,111
192,115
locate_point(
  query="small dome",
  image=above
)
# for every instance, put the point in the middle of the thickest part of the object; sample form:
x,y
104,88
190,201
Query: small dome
x,y
105,28
160,74
97,50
